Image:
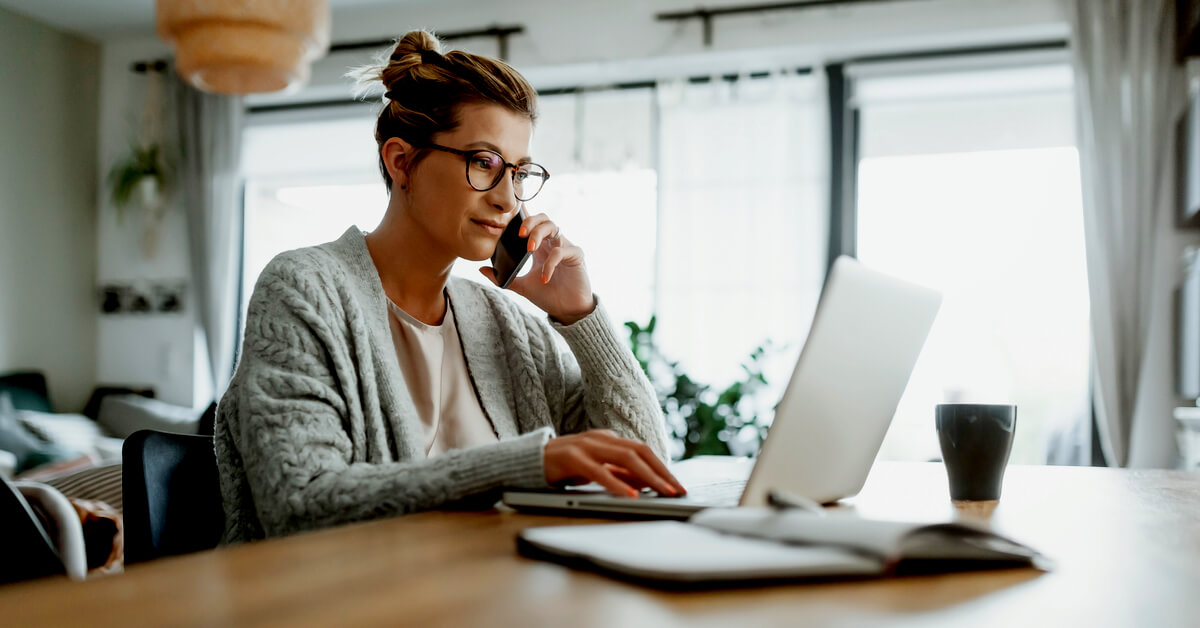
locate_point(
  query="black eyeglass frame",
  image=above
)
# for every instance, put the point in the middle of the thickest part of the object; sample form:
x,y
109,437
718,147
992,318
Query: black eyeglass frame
x,y
468,154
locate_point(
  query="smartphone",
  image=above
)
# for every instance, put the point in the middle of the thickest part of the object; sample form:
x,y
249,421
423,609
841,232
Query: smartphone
x,y
511,252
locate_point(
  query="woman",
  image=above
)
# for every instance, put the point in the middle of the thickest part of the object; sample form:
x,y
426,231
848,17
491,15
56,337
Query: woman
x,y
371,383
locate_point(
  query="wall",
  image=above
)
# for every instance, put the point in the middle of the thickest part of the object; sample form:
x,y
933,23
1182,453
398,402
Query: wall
x,y
154,349
565,43
48,104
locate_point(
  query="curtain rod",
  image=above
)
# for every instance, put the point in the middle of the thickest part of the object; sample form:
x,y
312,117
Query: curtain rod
x,y
1053,44
554,91
706,15
694,80
501,33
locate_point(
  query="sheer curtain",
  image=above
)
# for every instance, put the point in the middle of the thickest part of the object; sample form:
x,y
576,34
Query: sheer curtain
x,y
743,219
210,129
1130,92
599,147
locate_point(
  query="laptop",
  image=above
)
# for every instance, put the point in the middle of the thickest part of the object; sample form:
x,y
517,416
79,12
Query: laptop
x,y
866,335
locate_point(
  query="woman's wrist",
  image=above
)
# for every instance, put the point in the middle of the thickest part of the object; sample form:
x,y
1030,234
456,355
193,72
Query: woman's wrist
x,y
574,315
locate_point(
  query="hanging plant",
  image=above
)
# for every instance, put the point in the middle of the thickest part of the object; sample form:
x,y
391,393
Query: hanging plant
x,y
142,179
143,172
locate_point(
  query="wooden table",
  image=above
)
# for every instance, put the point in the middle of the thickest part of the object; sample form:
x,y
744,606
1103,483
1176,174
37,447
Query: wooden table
x,y
1127,546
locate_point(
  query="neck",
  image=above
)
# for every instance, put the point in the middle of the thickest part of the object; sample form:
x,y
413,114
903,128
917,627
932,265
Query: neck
x,y
414,270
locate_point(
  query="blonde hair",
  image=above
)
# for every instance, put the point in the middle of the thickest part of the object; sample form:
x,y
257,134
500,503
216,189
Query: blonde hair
x,y
425,90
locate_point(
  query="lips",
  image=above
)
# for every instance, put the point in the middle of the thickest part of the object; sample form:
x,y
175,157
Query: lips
x,y
491,226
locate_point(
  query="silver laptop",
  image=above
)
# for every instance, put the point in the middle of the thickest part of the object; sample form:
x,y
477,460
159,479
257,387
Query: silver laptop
x,y
866,335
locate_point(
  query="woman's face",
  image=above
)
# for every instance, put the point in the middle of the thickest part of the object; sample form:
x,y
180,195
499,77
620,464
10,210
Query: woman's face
x,y
465,222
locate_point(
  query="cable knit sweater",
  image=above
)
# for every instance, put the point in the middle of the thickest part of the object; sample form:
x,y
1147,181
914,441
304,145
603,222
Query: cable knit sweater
x,y
317,427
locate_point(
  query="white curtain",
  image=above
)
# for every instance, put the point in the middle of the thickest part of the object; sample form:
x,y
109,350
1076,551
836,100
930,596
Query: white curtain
x,y
210,129
743,218
1130,91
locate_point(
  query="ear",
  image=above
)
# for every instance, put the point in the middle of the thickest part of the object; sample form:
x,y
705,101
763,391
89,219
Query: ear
x,y
396,154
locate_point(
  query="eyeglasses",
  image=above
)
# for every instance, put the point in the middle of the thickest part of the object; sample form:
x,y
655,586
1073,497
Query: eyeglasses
x,y
486,167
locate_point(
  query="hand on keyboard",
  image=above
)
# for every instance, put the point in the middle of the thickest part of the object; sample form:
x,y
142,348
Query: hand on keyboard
x,y
622,466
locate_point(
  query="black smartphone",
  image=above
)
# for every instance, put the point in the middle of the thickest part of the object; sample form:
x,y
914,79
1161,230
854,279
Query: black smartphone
x,y
511,252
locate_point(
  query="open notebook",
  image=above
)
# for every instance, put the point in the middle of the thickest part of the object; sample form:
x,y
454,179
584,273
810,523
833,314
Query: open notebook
x,y
741,545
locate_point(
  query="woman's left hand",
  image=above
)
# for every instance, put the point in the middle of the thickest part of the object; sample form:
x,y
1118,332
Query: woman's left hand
x,y
558,282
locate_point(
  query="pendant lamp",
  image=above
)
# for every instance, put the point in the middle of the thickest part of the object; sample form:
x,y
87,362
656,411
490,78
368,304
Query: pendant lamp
x,y
244,46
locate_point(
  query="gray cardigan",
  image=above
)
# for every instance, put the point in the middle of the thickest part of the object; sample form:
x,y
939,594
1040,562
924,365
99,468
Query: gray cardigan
x,y
317,427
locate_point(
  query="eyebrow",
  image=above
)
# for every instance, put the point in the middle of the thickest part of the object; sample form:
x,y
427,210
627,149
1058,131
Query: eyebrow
x,y
492,147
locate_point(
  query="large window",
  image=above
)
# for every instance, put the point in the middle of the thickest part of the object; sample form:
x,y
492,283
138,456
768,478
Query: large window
x,y
701,203
969,183
307,181
704,202
744,220
603,191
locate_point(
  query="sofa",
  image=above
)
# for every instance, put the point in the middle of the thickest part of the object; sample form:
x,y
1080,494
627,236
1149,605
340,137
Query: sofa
x,y
79,455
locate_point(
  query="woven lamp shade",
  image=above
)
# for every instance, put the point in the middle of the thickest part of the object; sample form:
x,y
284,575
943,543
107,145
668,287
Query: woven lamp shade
x,y
244,46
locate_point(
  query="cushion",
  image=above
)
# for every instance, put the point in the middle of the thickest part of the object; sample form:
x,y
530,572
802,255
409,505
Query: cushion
x,y
29,451
92,408
97,483
8,464
122,415
73,432
27,391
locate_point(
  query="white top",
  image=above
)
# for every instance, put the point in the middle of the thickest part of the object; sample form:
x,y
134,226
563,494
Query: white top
x,y
435,371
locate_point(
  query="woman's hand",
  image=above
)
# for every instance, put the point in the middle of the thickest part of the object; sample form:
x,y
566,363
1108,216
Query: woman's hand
x,y
618,464
558,282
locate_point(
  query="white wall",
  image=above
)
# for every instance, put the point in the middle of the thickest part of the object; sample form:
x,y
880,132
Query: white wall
x,y
48,97
156,350
565,43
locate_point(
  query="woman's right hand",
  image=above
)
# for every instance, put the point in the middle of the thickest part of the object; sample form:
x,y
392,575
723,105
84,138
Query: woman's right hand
x,y
621,465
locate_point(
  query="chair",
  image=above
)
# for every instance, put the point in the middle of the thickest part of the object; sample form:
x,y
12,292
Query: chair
x,y
28,550
172,495
62,525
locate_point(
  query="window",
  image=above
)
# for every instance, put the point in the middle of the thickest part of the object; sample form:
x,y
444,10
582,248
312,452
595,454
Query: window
x,y
969,183
704,202
307,181
744,222
603,189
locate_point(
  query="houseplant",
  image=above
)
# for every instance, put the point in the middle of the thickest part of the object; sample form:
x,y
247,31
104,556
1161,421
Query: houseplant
x,y
142,178
704,421
144,172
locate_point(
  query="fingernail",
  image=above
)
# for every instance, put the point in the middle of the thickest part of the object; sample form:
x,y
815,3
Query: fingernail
x,y
545,279
521,232
633,493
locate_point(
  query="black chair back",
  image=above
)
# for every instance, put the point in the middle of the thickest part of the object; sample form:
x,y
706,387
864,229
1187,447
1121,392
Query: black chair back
x,y
172,495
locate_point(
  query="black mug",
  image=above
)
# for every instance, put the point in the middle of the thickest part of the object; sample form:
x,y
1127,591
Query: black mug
x,y
976,439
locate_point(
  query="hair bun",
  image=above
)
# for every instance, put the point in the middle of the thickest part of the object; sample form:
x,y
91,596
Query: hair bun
x,y
416,43
431,56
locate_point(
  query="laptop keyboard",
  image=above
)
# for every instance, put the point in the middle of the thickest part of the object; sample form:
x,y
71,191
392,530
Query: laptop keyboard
x,y
719,493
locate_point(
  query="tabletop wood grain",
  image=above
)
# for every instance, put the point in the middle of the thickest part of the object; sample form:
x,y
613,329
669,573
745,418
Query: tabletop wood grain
x,y
1126,546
